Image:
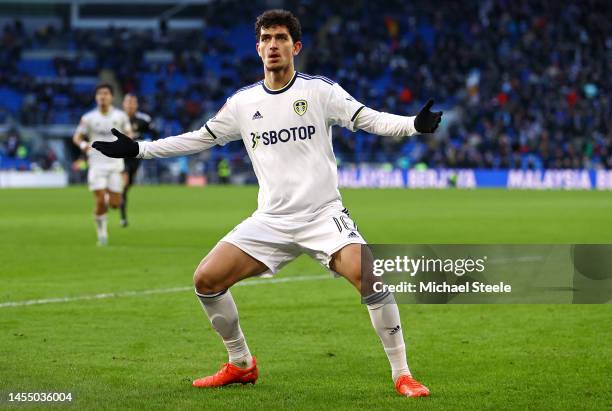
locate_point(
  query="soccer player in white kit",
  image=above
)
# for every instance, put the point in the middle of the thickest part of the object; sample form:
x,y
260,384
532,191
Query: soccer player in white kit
x,y
285,123
104,174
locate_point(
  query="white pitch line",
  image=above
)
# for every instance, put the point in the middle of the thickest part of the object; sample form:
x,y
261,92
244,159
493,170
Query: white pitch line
x,y
154,291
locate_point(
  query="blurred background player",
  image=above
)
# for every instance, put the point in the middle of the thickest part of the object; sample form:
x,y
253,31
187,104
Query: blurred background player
x,y
104,175
141,124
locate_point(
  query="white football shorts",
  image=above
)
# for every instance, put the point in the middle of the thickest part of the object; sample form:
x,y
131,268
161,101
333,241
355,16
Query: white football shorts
x,y
105,179
276,241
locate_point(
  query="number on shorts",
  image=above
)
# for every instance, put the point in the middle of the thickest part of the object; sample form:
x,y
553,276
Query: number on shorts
x,y
342,221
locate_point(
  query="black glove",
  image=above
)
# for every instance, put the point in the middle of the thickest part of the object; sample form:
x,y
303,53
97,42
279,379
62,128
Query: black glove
x,y
123,147
426,121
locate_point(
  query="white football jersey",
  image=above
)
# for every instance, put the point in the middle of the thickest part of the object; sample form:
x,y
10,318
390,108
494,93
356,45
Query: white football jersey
x,y
97,127
288,136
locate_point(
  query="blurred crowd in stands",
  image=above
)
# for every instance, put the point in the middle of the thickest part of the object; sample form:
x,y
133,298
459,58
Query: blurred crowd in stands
x,y
524,84
16,154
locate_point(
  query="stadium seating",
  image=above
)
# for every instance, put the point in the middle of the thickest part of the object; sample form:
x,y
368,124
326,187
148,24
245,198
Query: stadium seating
x,y
522,84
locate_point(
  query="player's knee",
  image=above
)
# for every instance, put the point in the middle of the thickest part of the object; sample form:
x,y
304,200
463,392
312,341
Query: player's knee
x,y
114,200
205,282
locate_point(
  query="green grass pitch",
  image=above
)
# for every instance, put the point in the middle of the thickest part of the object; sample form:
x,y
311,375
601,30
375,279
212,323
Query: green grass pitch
x,y
313,340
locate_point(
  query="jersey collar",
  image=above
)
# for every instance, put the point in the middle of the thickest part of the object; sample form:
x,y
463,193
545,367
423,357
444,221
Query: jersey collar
x,y
108,113
282,89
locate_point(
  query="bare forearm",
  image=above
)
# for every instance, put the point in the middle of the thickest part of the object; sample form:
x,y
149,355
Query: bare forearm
x,y
80,142
385,124
77,138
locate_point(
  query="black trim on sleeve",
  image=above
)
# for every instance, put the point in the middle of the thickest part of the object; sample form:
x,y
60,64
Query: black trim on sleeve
x,y
357,113
211,133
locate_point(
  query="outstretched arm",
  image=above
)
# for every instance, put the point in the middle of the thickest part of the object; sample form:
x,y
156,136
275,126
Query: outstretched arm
x,y
391,125
225,126
183,144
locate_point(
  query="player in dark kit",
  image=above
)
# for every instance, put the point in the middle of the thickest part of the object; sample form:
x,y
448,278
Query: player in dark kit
x,y
141,125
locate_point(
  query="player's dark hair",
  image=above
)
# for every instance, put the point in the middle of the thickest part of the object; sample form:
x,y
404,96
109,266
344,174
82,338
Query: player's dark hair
x,y
279,17
104,85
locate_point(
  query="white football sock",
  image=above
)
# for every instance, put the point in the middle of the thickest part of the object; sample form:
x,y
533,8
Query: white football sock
x,y
386,321
223,316
101,227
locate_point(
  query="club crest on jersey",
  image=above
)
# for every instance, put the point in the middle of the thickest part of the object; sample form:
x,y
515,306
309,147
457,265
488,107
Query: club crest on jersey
x,y
300,107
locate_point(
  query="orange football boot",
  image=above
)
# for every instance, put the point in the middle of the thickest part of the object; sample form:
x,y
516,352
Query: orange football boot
x,y
408,386
229,374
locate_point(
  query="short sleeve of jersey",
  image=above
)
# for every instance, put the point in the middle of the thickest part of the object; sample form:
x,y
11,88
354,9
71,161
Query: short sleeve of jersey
x,y
342,109
83,127
224,126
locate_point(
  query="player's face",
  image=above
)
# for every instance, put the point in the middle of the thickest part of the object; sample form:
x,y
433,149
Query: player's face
x,y
276,48
104,97
130,105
